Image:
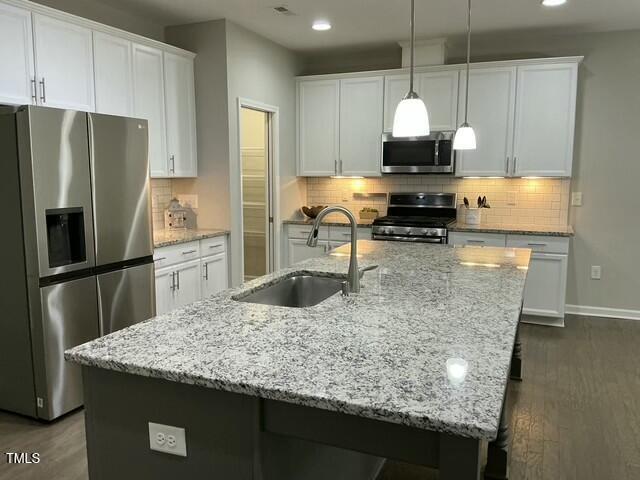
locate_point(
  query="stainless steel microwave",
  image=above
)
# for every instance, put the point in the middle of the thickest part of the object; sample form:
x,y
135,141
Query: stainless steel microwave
x,y
430,154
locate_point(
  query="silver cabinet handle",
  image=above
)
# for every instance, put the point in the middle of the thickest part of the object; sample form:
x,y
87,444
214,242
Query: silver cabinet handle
x,y
159,258
507,167
537,244
189,252
178,283
346,234
43,92
34,90
172,287
340,166
336,166
216,246
206,271
515,160
172,158
471,240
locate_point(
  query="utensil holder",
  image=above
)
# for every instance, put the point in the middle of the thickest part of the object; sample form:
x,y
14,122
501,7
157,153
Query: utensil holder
x,y
473,216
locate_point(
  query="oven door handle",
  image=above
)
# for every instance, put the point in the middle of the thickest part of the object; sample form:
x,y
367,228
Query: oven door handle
x,y
440,240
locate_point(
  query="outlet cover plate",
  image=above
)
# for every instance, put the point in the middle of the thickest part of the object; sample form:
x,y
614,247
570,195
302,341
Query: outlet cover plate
x,y
576,199
596,272
173,439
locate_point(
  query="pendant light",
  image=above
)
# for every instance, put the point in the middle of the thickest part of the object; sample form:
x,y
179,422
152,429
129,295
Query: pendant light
x,y
465,138
411,118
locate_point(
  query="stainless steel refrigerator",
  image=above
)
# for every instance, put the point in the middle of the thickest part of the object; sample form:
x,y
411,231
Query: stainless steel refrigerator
x,y
75,248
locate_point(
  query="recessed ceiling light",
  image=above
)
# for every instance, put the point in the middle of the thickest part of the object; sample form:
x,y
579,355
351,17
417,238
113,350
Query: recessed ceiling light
x,y
553,3
321,25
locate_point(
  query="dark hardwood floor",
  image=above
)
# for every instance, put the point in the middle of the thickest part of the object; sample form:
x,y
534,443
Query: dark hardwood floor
x,y
576,415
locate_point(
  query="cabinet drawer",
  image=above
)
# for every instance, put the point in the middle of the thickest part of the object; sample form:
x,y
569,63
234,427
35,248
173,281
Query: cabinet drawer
x,y
477,239
173,254
302,231
211,246
343,234
539,243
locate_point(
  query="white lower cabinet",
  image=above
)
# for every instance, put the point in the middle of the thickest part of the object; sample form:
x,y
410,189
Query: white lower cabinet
x,y
214,274
545,290
330,238
298,250
544,293
164,290
189,272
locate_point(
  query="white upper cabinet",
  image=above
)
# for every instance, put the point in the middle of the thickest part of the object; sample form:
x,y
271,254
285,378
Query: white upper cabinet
x,y
361,126
113,65
491,114
439,90
17,82
148,80
180,115
545,120
64,64
318,127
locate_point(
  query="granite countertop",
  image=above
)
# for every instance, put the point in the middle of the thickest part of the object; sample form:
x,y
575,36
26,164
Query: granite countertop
x,y
523,229
331,220
379,354
164,238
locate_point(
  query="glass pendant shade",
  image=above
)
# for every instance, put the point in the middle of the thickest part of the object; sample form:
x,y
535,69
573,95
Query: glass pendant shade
x,y
411,118
465,138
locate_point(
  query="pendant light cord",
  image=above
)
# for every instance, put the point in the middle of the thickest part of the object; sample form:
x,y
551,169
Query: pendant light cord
x,y
413,34
466,101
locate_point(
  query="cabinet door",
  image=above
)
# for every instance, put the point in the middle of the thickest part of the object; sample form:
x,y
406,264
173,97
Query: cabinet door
x,y
361,109
491,112
545,120
113,66
318,127
299,251
165,300
180,115
214,274
439,90
148,87
187,289
16,56
545,290
64,64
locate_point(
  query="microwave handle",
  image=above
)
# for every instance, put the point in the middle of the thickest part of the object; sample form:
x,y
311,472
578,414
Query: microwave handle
x,y
436,155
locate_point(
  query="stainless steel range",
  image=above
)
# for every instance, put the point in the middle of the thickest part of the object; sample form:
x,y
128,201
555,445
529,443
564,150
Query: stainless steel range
x,y
417,217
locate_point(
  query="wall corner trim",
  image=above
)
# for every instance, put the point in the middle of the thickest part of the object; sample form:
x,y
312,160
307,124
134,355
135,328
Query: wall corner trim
x,y
605,312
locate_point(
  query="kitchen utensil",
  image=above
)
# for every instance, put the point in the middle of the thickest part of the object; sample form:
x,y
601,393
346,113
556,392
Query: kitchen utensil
x,y
466,202
479,202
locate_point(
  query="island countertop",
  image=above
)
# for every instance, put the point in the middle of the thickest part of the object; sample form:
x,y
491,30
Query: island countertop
x,y
380,354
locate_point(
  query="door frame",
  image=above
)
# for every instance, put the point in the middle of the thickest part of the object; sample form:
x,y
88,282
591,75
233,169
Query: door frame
x,y
273,164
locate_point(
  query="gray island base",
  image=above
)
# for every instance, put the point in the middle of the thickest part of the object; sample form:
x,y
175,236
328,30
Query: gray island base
x,y
323,392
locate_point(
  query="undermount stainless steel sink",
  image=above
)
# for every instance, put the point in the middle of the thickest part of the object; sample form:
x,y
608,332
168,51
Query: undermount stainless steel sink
x,y
300,290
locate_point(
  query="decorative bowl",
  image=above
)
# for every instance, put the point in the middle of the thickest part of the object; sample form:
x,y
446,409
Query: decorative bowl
x,y
312,212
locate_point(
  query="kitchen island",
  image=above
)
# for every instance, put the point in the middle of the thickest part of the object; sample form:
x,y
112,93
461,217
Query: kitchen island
x,y
329,391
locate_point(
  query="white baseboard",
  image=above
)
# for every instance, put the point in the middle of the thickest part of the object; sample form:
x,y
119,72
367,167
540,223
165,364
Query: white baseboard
x,y
603,312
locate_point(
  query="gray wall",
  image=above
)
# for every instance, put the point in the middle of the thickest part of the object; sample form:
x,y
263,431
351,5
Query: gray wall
x,y
352,59
208,40
262,71
102,12
233,63
606,168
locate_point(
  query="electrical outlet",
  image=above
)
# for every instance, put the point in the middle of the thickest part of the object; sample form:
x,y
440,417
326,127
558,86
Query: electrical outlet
x,y
511,198
576,199
167,439
596,272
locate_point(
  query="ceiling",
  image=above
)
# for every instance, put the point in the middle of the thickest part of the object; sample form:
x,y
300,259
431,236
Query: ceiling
x,y
362,22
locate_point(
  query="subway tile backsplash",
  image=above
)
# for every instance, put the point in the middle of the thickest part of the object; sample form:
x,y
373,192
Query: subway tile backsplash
x,y
161,195
543,201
